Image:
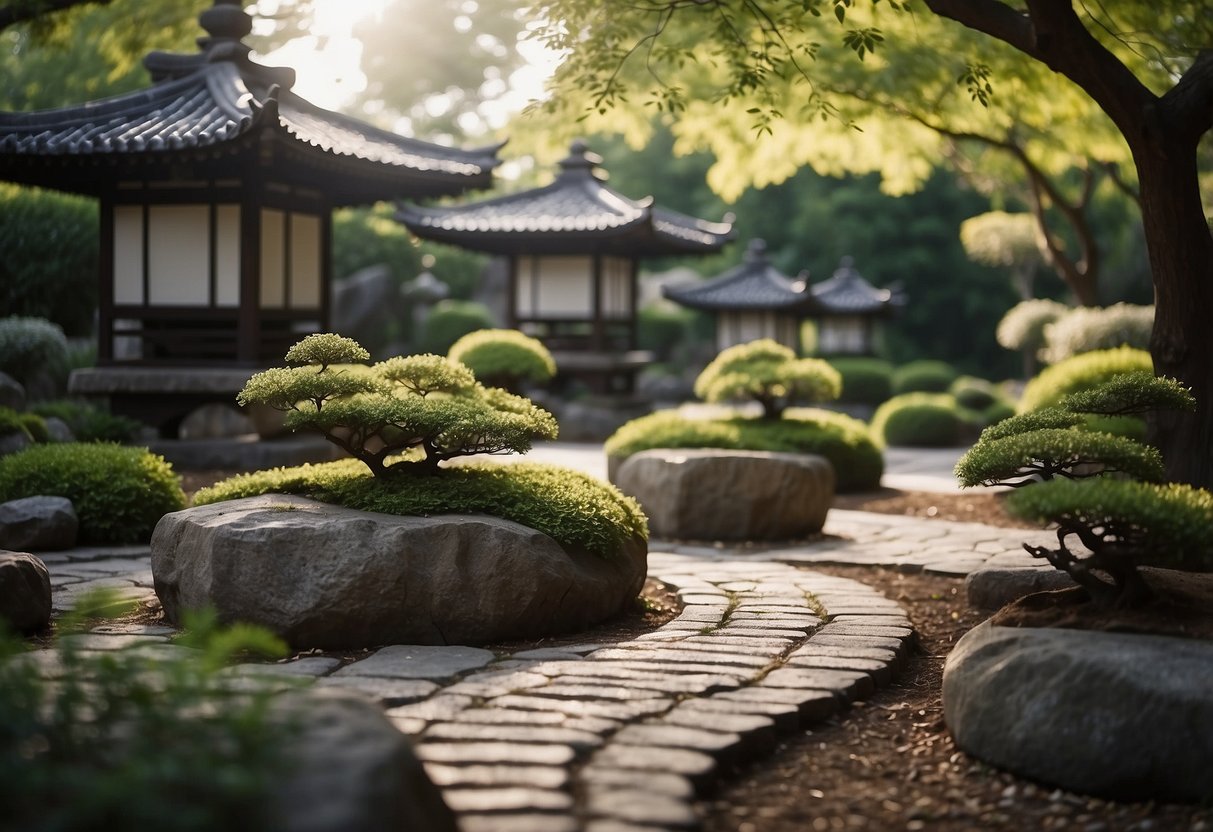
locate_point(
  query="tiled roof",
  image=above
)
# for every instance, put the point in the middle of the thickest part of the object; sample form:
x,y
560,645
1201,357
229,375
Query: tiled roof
x,y
753,285
219,96
848,293
575,213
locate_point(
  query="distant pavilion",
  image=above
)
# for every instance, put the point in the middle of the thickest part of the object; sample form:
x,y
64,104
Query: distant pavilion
x,y
216,186
573,249
755,300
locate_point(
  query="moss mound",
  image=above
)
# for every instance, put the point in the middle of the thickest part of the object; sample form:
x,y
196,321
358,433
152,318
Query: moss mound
x,y
119,493
574,509
844,441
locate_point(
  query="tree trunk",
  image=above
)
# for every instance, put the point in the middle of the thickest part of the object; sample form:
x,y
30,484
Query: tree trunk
x,y
1181,259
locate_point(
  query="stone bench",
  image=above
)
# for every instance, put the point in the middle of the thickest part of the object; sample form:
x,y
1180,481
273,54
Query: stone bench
x,y
715,494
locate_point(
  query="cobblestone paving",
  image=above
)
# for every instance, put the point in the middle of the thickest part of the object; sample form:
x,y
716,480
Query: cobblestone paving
x,y
625,736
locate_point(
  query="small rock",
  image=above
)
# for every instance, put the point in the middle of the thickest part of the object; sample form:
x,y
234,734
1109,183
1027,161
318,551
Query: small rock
x,y
12,393
38,524
58,430
992,588
25,592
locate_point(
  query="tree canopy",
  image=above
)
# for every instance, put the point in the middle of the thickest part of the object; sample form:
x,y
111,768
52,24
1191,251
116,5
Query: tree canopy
x,y
1116,81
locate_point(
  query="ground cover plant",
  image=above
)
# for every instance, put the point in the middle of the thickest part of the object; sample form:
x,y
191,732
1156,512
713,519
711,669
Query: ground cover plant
x,y
119,492
1106,494
128,739
864,380
574,509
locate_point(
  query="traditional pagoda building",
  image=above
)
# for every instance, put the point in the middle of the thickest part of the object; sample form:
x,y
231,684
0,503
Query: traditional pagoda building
x,y
573,249
852,308
755,300
216,186
751,301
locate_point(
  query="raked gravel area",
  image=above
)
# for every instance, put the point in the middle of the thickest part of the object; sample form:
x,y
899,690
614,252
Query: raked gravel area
x,y
611,737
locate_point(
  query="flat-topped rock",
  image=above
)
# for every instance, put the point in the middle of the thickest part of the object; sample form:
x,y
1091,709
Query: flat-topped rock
x,y
325,576
1117,715
38,524
713,494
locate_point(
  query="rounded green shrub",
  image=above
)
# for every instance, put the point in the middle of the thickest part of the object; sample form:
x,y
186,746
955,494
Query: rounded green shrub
x,y
1023,327
844,441
35,425
13,422
1089,328
975,393
89,423
996,413
1082,372
119,493
864,380
32,346
503,357
925,376
922,420
574,509
449,321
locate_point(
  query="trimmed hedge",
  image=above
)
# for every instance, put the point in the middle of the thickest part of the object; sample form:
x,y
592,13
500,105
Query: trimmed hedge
x,y
975,393
1082,372
923,420
844,441
574,509
119,493
501,357
924,376
864,380
449,321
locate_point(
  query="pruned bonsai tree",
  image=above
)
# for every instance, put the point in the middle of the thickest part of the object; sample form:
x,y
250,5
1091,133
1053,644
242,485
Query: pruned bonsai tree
x,y
769,373
1107,526
1052,442
425,402
504,358
1120,525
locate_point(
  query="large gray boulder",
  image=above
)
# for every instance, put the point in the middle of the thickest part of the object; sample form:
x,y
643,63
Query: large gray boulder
x,y
38,524
351,769
325,576
12,393
1118,715
25,592
713,494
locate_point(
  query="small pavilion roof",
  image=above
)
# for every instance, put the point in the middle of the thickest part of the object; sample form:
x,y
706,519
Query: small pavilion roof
x,y
203,109
575,214
848,293
753,285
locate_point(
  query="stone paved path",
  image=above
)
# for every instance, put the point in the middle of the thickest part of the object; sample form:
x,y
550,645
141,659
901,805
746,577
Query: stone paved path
x,y
612,737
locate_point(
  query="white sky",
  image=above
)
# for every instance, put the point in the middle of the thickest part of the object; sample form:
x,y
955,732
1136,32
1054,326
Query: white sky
x,y
327,71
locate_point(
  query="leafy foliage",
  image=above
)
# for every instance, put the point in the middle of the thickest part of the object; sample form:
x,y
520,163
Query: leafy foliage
x,y
924,376
423,401
1120,526
1086,329
49,268
1048,418
123,739
1081,372
12,422
926,420
30,346
88,422
1129,394
1023,328
845,442
769,373
572,508
975,393
864,380
119,493
1024,458
449,321
504,357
